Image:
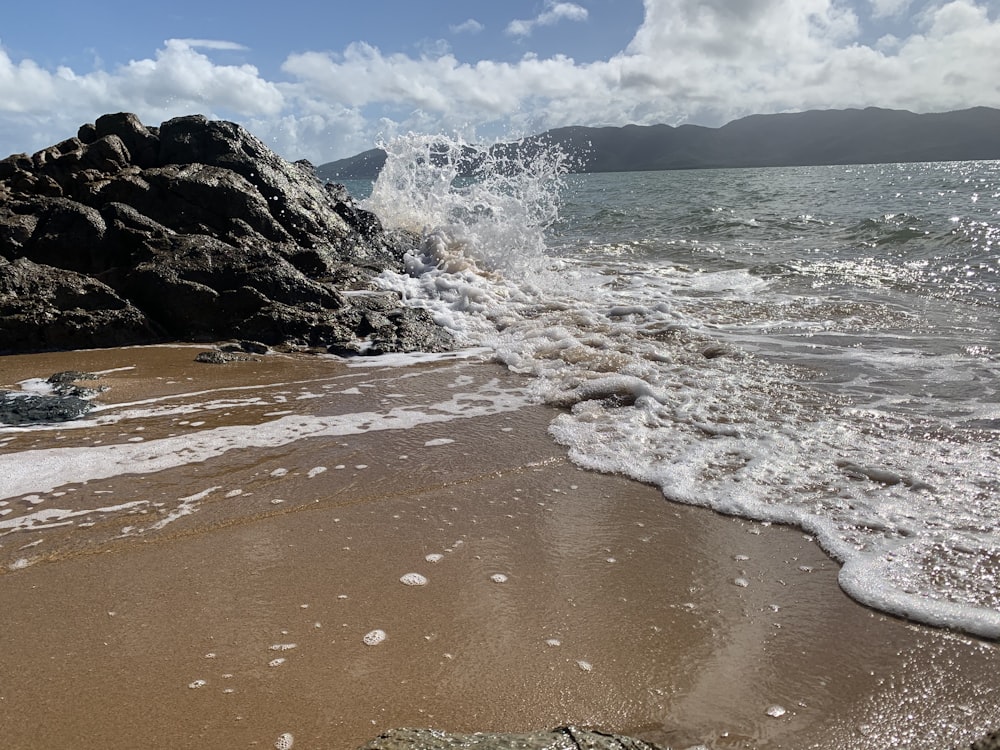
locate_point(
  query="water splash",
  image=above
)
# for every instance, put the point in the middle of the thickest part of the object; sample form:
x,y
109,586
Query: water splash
x,y
473,207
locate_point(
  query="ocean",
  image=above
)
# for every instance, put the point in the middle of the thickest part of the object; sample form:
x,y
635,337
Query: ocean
x,y
814,346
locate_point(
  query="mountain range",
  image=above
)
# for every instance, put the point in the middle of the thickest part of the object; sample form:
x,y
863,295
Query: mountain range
x,y
816,137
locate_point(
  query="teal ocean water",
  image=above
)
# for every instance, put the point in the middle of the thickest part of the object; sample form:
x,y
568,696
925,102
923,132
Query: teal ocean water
x,y
813,346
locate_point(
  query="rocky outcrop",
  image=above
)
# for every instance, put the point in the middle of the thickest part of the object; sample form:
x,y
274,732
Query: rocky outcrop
x,y
564,738
195,230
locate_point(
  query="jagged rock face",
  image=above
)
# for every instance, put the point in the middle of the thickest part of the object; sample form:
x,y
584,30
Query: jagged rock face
x,y
194,230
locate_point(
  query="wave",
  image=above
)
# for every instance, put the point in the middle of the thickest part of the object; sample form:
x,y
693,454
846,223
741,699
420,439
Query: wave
x,y
646,389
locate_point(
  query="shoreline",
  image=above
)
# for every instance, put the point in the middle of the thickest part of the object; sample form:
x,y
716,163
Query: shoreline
x,y
619,610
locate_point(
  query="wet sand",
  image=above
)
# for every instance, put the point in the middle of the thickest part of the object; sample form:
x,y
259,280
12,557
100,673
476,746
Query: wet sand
x,y
559,596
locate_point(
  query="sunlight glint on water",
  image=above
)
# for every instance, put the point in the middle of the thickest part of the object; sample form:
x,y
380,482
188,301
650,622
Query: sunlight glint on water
x,y
767,343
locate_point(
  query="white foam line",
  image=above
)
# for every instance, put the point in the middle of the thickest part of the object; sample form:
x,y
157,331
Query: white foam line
x,y
50,518
210,391
383,360
43,470
405,360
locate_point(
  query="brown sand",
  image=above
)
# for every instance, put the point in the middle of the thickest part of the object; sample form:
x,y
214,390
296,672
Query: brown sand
x,y
620,610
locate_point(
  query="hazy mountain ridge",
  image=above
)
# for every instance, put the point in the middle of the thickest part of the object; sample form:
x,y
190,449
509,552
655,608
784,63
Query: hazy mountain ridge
x,y
816,137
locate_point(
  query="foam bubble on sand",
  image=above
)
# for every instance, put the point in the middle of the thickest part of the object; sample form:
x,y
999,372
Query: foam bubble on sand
x,y
741,582
413,579
283,646
197,684
776,711
284,741
374,637
438,441
277,662
586,666
498,578
553,642
234,493
434,557
279,472
316,471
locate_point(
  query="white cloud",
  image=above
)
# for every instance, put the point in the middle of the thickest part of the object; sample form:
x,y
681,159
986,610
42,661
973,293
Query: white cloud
x,y
470,26
702,61
888,8
554,13
51,105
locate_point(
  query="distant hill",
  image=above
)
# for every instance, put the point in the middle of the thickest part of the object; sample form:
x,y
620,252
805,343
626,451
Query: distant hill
x,y
817,137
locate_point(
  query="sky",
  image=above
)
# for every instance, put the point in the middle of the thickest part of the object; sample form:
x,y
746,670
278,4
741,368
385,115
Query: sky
x,y
327,80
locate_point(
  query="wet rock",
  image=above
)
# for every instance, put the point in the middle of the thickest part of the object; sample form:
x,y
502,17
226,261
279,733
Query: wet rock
x,y
195,230
66,383
249,347
383,326
220,357
24,409
44,308
564,738
67,400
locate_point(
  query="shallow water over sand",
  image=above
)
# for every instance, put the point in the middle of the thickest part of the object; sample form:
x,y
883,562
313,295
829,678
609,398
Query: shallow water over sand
x,y
231,602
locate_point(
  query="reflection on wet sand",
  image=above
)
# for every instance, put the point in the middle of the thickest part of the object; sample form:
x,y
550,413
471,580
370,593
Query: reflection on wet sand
x,y
551,596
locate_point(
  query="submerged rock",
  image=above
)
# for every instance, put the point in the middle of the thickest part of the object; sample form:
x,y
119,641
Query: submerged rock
x,y
564,738
193,230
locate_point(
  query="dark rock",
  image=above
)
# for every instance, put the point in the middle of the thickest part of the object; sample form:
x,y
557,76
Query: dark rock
x,y
44,308
65,384
66,402
249,347
564,738
382,326
142,145
221,357
21,409
69,376
195,230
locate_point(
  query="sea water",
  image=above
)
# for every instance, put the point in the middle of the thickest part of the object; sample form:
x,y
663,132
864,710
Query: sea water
x,y
813,346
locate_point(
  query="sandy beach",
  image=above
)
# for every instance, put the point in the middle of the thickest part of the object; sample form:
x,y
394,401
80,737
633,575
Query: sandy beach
x,y
225,597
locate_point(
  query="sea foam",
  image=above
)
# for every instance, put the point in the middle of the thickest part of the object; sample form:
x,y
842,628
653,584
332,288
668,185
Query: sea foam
x,y
649,392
